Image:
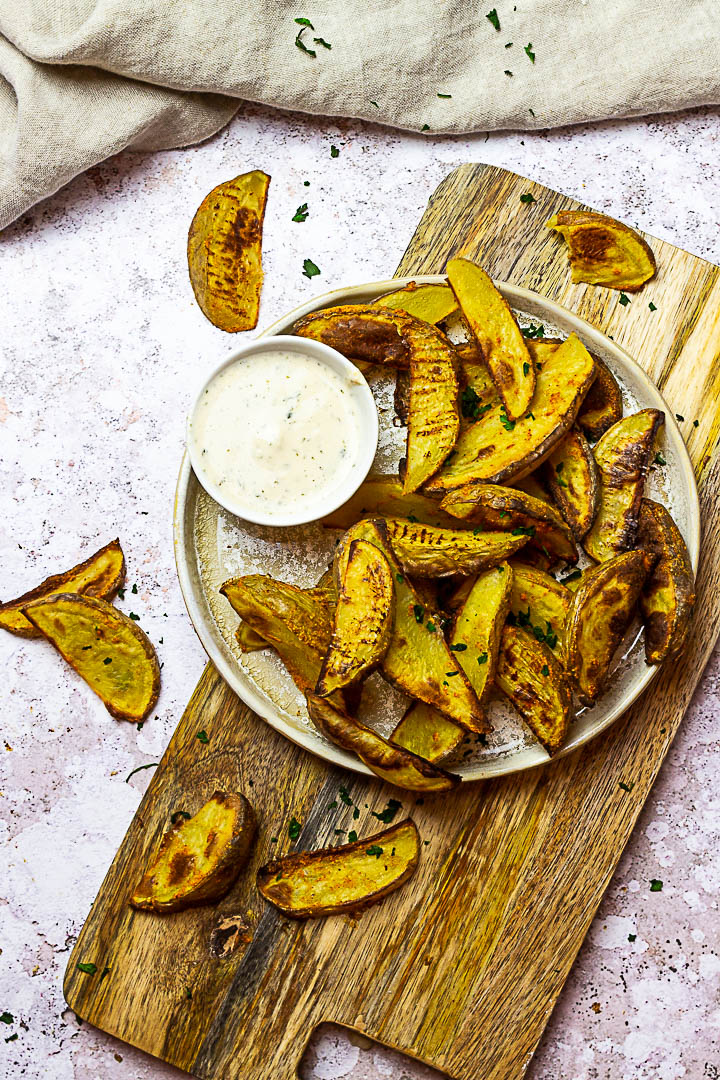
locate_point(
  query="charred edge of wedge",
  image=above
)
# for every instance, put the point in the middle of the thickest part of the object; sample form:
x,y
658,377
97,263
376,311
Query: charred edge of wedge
x,y
427,552
109,580
572,477
390,763
185,886
604,251
533,680
360,332
668,596
603,404
429,302
274,880
426,732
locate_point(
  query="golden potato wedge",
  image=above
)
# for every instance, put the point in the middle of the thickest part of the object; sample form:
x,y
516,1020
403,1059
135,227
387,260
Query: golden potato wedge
x,y
101,575
424,551
361,332
249,640
224,252
623,457
199,858
426,732
363,620
533,485
496,507
344,879
499,450
418,660
383,497
540,604
603,251
431,303
391,763
572,476
401,397
493,326
599,615
109,651
603,404
668,596
530,676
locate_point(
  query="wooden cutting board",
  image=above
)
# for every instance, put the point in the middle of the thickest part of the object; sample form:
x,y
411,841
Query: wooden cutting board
x,y
462,967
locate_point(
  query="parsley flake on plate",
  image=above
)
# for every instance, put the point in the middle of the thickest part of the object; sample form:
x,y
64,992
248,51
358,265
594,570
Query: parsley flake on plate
x,y
493,17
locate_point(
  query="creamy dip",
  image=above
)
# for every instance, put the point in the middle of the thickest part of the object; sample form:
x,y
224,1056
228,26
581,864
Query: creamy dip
x,y
278,431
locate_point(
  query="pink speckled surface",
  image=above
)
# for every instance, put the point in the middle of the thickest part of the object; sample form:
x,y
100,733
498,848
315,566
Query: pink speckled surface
x,y
102,346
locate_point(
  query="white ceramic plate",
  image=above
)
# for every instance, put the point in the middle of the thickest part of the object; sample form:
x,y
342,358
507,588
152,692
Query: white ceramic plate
x,y
212,545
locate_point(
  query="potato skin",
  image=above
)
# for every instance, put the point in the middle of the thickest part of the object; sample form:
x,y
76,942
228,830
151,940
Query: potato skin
x,y
530,676
572,476
604,251
603,405
668,596
427,552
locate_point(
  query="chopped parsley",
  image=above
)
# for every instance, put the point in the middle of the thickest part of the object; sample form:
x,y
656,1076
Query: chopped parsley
x,y
425,127
203,737
301,213
508,45
632,937
352,836
460,646
526,368
387,815
375,850
399,578
533,331
7,1018
655,885
482,658
450,674
188,993
321,41
652,306
560,466
430,626
529,51
151,765
178,815
334,152
544,670
659,459
523,530
508,73
310,270
294,828
626,787
527,198
87,969
624,299
419,613
12,1038
494,18
680,419
696,423
445,95
107,660
470,404
134,617
345,796
505,420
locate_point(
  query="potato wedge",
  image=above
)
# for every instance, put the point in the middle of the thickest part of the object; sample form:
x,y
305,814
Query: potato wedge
x,y
383,497
401,397
109,651
426,732
344,879
533,485
496,507
493,326
603,251
418,659
249,640
530,676
424,551
498,450
199,858
431,303
224,252
361,332
668,596
600,613
603,404
572,476
101,575
363,619
391,763
623,458
539,604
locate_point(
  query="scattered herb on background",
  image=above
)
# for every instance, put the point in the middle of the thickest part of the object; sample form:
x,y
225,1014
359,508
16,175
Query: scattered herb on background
x,y
470,404
294,828
425,127
429,625
345,796
624,299
375,104
334,152
626,787
632,937
174,818
445,95
529,50
12,1038
460,646
352,836
528,197
134,617
203,737
301,213
655,885
482,658
151,765
387,815
188,993
652,306
7,1018
680,419
508,72
509,45
321,41
399,578
531,112
493,17
505,420
696,423
87,969
526,368
310,270
533,331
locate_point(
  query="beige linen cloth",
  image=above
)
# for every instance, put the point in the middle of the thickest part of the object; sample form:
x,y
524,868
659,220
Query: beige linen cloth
x,y
82,79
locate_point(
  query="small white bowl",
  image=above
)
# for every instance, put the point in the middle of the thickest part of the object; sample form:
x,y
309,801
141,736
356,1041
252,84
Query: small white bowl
x,y
313,508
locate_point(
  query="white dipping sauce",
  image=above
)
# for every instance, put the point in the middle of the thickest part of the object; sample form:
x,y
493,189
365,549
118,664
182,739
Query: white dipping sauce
x,y
278,431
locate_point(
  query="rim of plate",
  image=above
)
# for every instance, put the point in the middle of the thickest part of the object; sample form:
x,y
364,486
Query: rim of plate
x,y
211,638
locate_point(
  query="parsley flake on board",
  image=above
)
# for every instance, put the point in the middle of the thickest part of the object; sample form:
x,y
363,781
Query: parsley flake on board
x,y
178,815
655,885
203,737
508,73
294,828
445,95
375,850
460,646
321,41
87,969
527,197
626,787
345,796
529,50
301,213
134,617
494,18
310,270
652,306
387,815
334,152
624,299
696,423
425,127
12,1038
352,836
680,419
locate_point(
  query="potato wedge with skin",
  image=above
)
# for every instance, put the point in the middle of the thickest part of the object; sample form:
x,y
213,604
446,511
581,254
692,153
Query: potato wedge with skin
x,y
493,326
600,613
603,404
383,497
249,640
530,676
200,858
431,303
109,651
424,551
533,485
345,879
623,458
224,252
572,477
515,512
603,251
426,732
668,596
360,332
391,763
363,620
497,450
418,658
540,604
102,574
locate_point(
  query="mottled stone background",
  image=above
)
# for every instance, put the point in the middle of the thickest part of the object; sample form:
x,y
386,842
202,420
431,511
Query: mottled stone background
x,y
101,347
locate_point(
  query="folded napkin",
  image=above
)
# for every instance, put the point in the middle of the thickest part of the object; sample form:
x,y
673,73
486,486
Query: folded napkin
x,y
82,79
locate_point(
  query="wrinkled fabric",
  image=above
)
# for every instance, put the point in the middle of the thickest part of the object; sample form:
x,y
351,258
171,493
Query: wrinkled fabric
x,y
82,79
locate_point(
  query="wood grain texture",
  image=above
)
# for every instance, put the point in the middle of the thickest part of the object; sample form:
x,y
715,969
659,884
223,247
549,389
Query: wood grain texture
x,y
462,967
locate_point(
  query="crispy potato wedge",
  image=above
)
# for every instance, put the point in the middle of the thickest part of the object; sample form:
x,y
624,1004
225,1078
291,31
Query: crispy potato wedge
x,y
623,458
109,651
418,659
603,251
533,485
540,604
391,763
498,507
426,732
668,596
530,676
572,476
249,640
200,858
431,303
603,404
363,619
401,397
383,497
498,450
224,252
100,575
600,613
361,332
424,551
344,879
493,326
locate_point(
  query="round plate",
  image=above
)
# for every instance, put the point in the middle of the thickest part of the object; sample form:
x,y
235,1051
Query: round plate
x,y
212,545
